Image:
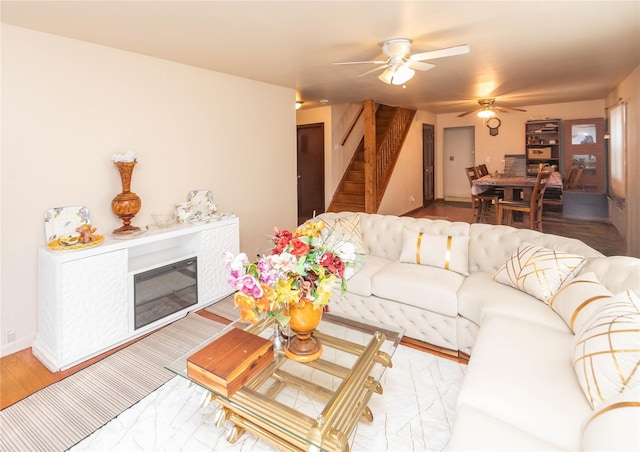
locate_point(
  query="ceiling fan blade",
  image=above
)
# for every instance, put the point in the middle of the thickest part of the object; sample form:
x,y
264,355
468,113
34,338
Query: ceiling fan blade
x,y
363,62
419,66
501,109
449,51
467,112
375,69
512,108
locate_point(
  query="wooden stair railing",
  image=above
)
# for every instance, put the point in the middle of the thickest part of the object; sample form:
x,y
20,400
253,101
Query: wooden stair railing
x,y
362,185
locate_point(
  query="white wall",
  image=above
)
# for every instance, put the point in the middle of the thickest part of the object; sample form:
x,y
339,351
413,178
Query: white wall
x,y
68,105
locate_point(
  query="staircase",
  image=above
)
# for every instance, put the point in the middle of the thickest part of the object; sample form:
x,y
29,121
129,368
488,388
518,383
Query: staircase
x,y
391,128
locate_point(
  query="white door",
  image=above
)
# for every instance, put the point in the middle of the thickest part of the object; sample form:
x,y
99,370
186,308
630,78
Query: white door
x,y
459,153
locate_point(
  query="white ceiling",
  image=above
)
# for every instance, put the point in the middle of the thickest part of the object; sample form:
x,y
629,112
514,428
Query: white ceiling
x,y
522,52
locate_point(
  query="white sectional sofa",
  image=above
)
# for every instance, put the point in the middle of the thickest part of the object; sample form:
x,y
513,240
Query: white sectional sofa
x,y
535,379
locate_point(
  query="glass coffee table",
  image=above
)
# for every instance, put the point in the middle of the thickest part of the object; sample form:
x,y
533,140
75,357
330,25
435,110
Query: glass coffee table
x,y
308,406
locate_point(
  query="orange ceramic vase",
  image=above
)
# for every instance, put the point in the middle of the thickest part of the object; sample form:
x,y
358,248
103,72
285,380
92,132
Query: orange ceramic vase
x,y
303,320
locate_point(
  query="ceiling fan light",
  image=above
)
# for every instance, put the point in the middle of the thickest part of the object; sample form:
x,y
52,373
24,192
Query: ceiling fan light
x,y
403,74
387,76
486,113
299,104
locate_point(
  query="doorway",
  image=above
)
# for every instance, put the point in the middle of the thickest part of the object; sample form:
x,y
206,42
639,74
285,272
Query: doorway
x,y
458,153
310,163
428,180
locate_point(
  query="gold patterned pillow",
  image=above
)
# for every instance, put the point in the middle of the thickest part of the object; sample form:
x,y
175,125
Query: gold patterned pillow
x,y
344,229
607,349
538,271
442,251
578,299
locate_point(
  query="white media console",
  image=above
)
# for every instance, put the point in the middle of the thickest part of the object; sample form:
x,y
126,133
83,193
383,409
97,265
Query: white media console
x,y
86,299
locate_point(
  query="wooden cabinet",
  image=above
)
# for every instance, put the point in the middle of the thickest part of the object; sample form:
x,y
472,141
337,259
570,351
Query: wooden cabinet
x,y
584,148
544,144
86,297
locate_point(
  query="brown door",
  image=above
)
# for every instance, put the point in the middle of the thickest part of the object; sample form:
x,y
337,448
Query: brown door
x,y
428,178
310,171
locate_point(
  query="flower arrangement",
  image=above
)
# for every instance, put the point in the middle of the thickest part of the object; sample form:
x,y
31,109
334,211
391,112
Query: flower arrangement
x,y
302,268
125,157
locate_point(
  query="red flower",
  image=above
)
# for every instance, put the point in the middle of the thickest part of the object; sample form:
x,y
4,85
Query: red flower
x,y
332,263
281,240
299,248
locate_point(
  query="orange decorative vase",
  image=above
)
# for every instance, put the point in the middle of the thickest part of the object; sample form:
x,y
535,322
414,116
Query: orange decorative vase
x,y
303,320
126,204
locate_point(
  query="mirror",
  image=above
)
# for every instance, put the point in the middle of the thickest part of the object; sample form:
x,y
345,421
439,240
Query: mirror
x,y
583,134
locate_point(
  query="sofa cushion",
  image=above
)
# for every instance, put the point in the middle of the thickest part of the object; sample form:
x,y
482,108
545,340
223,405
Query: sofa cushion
x,y
607,349
339,230
577,300
443,251
614,425
360,282
479,294
476,430
419,285
538,271
521,373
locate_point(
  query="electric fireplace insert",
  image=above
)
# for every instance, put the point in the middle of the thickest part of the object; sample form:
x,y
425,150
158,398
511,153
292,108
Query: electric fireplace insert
x,y
163,291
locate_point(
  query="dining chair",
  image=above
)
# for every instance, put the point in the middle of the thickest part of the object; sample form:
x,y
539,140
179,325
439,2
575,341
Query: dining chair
x,y
482,170
482,202
574,177
531,206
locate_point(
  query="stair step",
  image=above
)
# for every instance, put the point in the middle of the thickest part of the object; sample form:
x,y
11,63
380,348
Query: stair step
x,y
354,176
345,197
358,166
353,186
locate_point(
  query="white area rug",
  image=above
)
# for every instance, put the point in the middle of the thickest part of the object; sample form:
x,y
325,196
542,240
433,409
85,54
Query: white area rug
x,y
415,412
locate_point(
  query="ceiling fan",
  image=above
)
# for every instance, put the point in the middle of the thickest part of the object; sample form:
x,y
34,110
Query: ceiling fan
x,y
488,109
400,66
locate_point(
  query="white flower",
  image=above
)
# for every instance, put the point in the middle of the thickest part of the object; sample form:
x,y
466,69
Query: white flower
x,y
285,262
235,263
346,251
124,157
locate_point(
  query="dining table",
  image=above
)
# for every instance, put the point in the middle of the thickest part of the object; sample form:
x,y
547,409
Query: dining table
x,y
515,187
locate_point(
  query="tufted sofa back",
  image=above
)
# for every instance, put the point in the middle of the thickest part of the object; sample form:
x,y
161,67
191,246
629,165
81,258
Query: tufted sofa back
x,y
491,245
383,233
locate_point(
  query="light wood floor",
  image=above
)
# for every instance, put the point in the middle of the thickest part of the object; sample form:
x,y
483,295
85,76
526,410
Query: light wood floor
x,y
21,374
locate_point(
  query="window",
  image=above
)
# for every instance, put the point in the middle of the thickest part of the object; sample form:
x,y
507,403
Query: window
x,y
617,151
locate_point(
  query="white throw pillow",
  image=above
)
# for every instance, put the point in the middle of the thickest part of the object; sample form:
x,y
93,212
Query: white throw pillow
x,y
538,271
607,349
577,300
443,251
344,229
614,424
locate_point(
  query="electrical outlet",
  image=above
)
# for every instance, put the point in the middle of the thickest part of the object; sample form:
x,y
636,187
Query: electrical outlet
x,y
11,336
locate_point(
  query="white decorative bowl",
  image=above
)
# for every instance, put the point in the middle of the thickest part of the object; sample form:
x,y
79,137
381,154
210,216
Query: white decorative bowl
x,y
163,220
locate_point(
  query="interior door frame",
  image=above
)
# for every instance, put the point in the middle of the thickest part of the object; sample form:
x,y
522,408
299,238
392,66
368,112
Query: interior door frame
x,y
428,154
458,152
310,185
